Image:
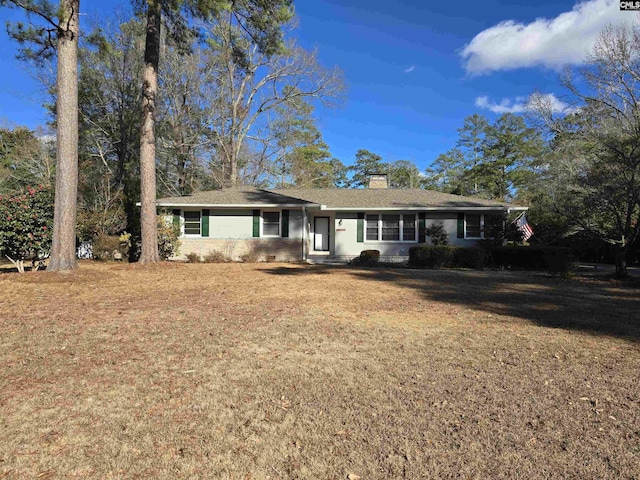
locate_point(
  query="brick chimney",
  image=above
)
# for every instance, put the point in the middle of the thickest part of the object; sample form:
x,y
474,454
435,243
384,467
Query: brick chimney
x,y
378,180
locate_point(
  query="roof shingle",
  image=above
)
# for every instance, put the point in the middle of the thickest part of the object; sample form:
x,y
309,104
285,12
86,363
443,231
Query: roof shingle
x,y
385,198
232,196
332,198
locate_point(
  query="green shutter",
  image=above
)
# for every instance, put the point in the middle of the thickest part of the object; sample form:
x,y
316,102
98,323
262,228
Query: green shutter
x,y
422,227
176,218
285,223
256,223
360,237
205,223
460,225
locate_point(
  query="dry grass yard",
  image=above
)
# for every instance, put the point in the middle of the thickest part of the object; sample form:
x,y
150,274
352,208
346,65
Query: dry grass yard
x,y
282,371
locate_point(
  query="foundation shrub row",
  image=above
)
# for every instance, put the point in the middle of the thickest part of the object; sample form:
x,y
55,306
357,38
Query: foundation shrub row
x,y
551,259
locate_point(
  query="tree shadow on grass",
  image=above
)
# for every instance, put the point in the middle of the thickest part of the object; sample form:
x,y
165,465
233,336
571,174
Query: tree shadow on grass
x,y
593,305
303,270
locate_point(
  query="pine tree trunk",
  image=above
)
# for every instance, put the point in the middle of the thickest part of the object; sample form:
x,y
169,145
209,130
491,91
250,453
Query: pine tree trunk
x,y
148,222
63,250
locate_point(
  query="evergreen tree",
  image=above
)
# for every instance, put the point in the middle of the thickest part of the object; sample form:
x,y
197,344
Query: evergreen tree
x,y
310,160
511,151
404,174
447,173
471,138
366,163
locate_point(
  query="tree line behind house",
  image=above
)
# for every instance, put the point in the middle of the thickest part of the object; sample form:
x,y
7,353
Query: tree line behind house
x,y
231,113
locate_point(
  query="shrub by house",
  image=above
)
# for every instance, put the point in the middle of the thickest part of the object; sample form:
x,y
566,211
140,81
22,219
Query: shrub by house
x,y
26,221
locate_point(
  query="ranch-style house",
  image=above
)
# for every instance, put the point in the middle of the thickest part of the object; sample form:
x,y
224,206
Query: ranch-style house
x,y
325,224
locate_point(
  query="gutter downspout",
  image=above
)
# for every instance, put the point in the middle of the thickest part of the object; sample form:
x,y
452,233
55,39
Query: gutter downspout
x,y
304,233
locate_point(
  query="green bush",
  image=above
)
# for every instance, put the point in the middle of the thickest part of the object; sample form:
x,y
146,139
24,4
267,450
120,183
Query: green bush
x,y
470,258
437,234
557,260
551,259
419,256
26,221
168,234
367,258
432,256
168,239
111,247
446,256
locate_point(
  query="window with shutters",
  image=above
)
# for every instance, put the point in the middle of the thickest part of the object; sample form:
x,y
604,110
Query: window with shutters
x,y
390,227
270,224
473,225
192,222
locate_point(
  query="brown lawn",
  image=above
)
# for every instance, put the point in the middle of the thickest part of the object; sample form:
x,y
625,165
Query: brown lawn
x,y
283,371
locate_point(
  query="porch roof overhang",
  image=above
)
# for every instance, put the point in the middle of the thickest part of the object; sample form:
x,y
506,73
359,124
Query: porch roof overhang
x,y
492,208
316,206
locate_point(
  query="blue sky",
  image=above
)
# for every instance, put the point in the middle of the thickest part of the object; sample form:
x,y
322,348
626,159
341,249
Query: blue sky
x,y
414,68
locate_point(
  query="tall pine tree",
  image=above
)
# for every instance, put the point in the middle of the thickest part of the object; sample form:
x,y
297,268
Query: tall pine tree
x,y
50,30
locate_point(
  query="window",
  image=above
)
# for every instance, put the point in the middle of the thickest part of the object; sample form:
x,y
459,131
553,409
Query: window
x,y
473,226
391,228
372,227
271,224
192,223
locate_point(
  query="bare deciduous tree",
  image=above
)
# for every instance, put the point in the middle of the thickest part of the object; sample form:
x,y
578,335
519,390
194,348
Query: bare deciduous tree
x,y
597,147
184,109
109,98
252,85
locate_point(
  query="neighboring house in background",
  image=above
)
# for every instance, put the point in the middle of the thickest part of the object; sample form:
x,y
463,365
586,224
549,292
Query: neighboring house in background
x,y
320,224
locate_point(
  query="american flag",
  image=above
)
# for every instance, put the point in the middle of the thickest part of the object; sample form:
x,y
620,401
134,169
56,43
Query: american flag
x,y
524,227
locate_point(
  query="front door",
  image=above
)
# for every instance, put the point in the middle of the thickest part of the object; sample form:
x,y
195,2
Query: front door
x,y
321,234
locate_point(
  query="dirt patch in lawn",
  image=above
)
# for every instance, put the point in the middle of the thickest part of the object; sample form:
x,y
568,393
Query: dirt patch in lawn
x,y
283,371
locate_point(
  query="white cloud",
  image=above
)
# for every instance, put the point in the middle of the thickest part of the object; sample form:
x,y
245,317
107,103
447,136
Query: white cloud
x,y
523,104
506,105
410,69
552,43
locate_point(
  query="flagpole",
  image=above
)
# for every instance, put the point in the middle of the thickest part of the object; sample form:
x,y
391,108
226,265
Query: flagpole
x,y
518,217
